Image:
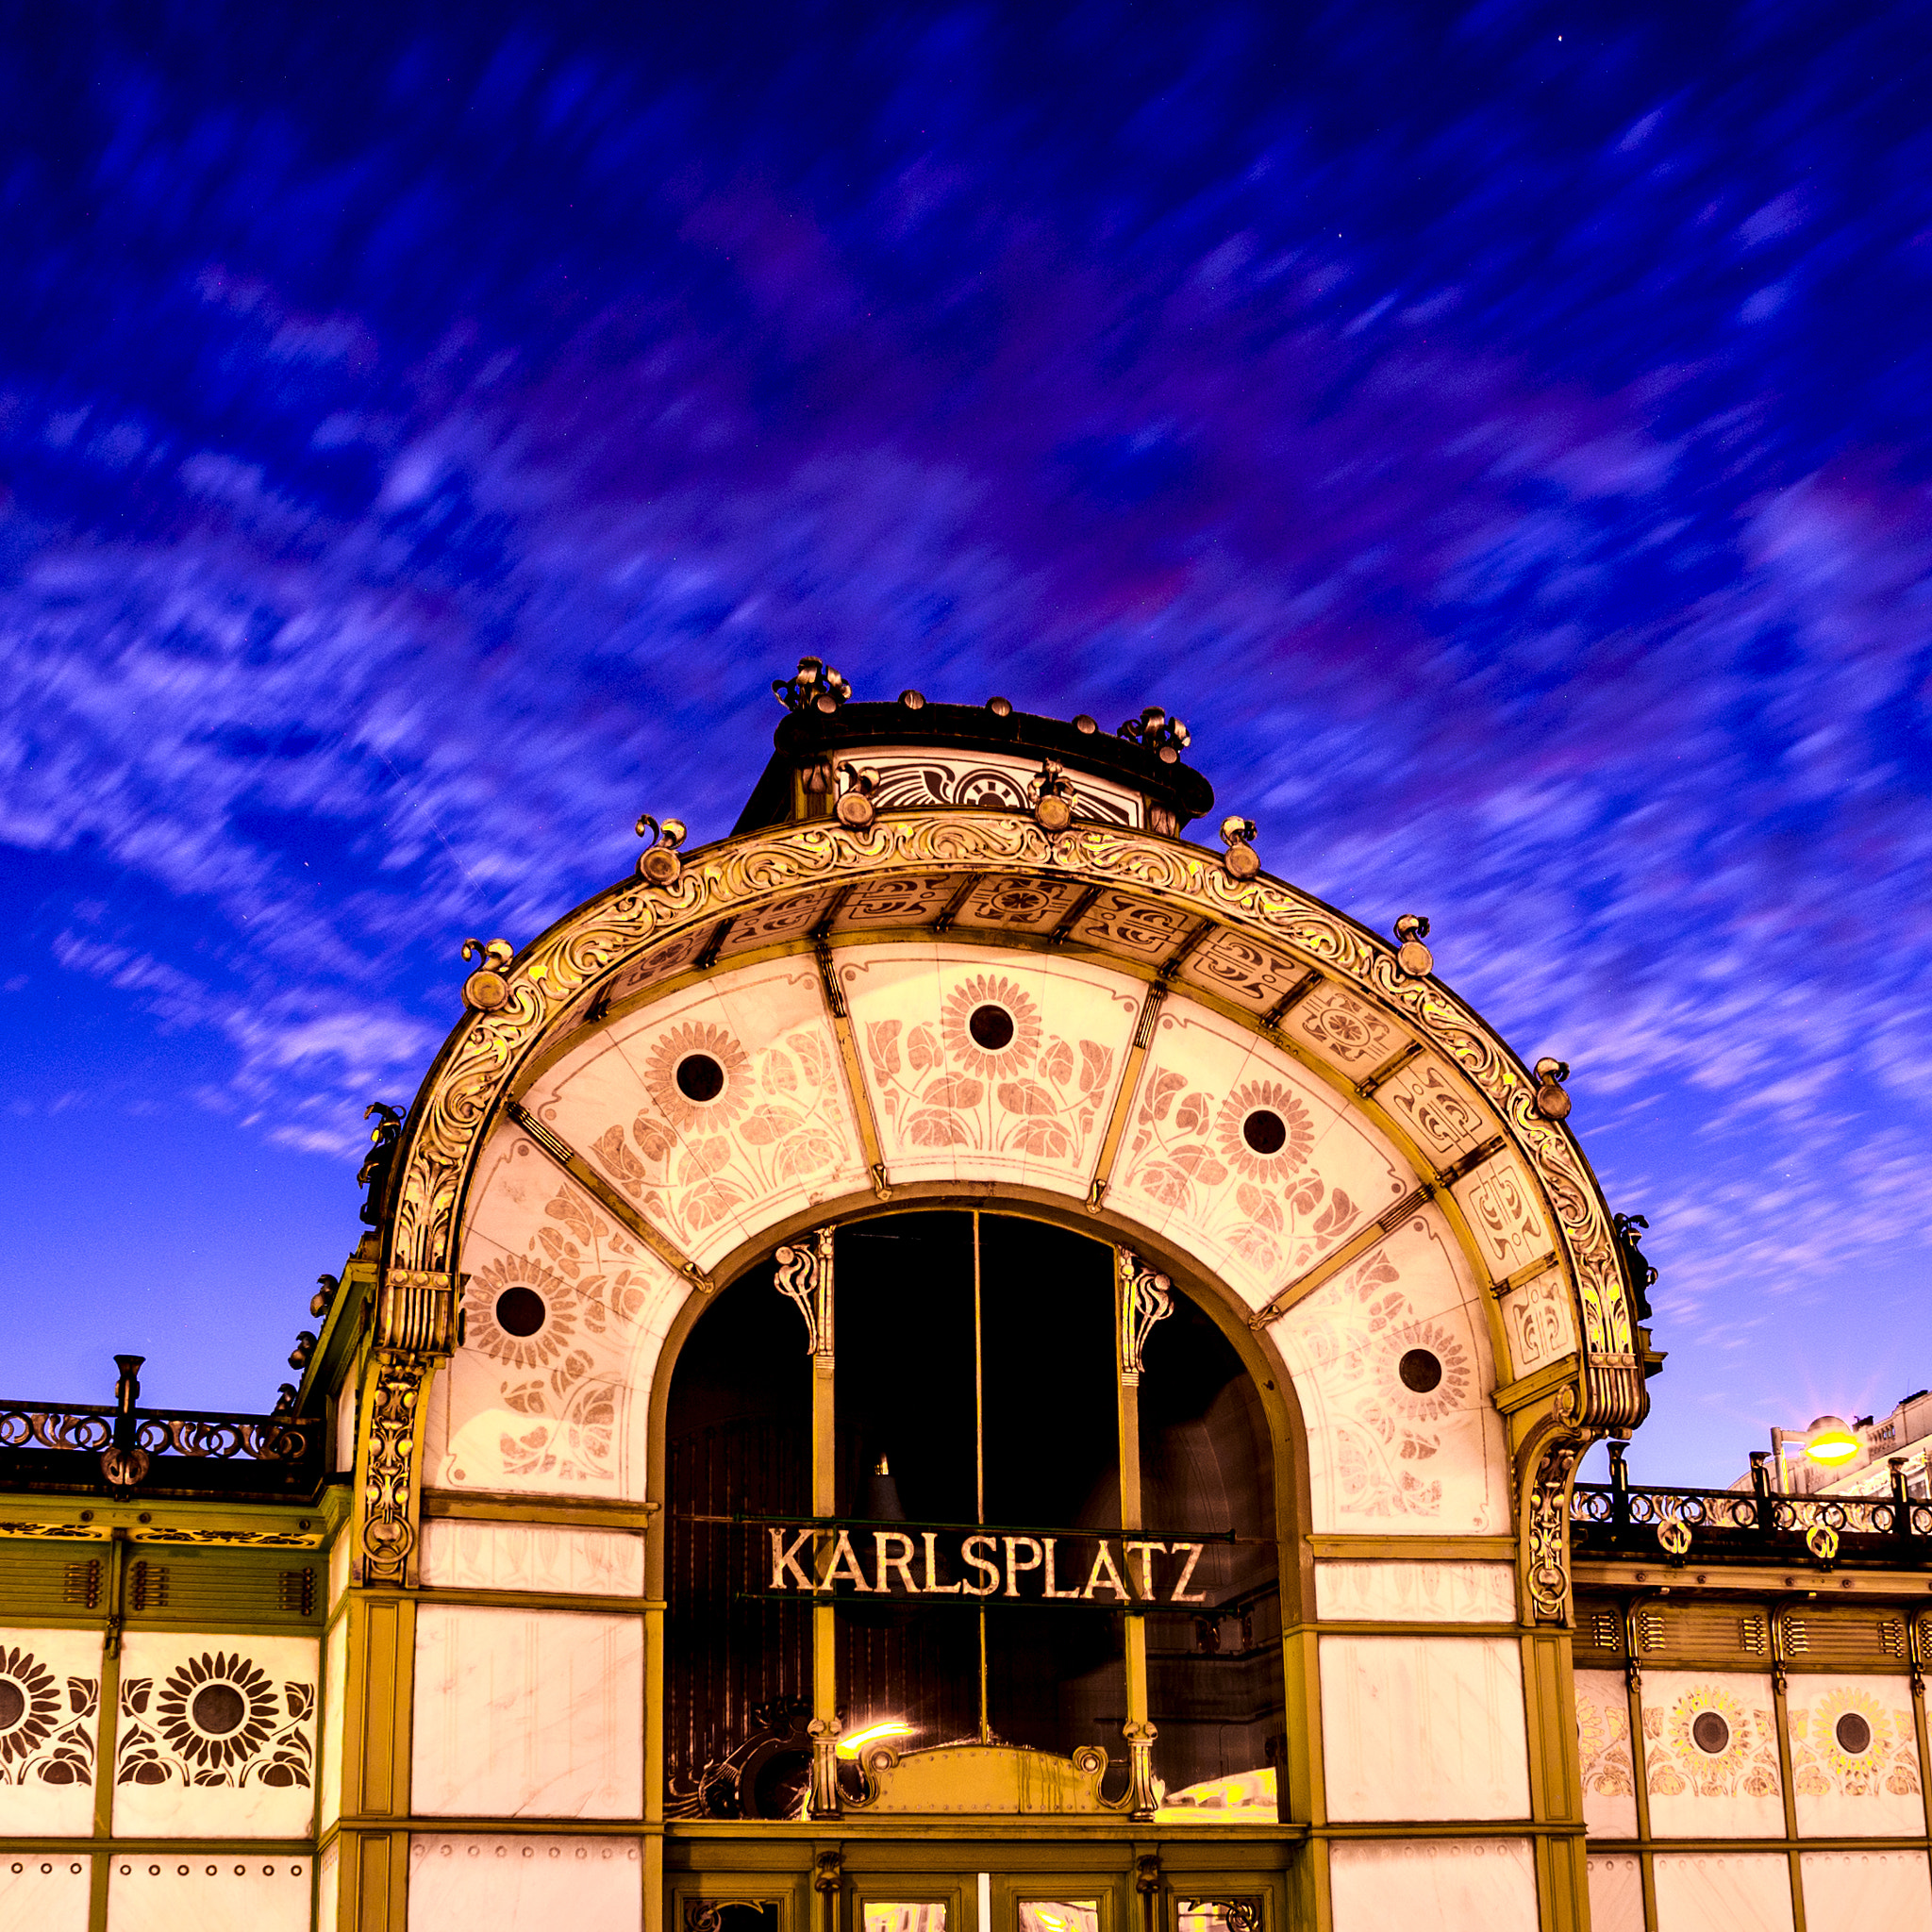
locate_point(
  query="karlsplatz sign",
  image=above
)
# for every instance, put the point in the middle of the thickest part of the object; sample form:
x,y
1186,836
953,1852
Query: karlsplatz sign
x,y
832,1559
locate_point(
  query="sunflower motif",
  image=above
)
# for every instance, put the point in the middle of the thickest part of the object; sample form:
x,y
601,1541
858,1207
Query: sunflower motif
x,y
216,1711
698,1075
1005,1039
1264,1131
1850,1730
1436,1359
1712,1735
495,1285
29,1704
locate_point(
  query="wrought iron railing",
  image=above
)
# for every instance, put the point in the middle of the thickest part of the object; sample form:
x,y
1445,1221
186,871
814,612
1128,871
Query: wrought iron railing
x,y
187,1432
1625,1519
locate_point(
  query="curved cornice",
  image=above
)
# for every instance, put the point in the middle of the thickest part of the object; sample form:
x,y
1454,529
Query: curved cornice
x,y
473,1075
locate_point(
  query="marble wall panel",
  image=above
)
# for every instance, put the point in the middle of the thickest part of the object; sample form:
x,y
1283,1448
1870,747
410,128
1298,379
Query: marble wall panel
x,y
1261,1207
335,1690
1855,1756
339,1554
528,1714
217,1736
1250,975
46,1894
1462,1885
199,1892
1436,1109
1500,1203
1603,1743
344,1446
328,1888
50,1695
1416,1593
484,1883
1423,1727
1030,1111
1864,1891
1710,1754
1616,1892
561,1409
1347,1032
1540,1323
710,1169
1741,1891
542,1557
1425,1462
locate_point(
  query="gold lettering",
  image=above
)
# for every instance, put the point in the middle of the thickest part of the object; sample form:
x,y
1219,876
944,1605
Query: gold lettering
x,y
933,1588
1049,1590
1103,1559
785,1558
843,1553
984,1565
902,1562
1181,1593
1013,1564
1146,1551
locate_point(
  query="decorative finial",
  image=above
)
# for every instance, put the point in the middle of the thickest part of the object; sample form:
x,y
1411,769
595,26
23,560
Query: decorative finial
x,y
1639,1269
384,1138
1053,798
855,807
1167,737
815,686
1000,707
659,864
1552,1102
1411,956
488,988
1240,859
326,1293
303,1348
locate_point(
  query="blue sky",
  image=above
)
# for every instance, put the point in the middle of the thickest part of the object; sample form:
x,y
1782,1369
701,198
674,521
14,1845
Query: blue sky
x,y
1502,434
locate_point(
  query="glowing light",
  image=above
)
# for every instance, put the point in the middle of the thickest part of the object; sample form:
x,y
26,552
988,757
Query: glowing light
x,y
849,1748
1831,1441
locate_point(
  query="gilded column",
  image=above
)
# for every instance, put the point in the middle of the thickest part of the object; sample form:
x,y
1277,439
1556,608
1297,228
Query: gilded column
x,y
1141,1298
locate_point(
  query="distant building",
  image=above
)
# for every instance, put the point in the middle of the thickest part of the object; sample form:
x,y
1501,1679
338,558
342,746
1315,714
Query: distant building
x,y
1872,1455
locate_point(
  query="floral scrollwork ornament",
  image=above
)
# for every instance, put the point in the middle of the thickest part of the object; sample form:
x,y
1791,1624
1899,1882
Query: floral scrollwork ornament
x,y
1549,1530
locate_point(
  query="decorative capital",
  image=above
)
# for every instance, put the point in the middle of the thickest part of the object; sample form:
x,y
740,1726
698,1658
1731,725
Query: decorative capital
x,y
1146,1297
804,1277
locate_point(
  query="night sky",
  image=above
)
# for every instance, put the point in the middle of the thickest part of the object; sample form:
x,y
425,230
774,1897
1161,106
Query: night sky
x,y
1502,434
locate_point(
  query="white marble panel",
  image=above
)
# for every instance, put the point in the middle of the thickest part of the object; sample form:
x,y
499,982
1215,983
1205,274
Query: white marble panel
x,y
328,1888
1416,1593
1864,1891
1501,1207
538,1556
1739,1891
563,1409
1445,1885
344,1445
50,1695
1427,1462
775,1138
1030,1111
200,1893
485,1883
1696,1790
339,1553
45,1894
217,1736
1539,1321
1871,1791
1616,1892
528,1714
1603,1744
1187,1166
335,1691
1436,1109
1423,1727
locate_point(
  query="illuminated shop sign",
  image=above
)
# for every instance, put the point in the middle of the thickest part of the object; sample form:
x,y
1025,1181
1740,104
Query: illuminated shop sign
x,y
977,1564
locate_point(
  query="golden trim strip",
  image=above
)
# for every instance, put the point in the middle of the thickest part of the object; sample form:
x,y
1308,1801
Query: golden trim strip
x,y
606,1197
1356,1245
840,1014
1367,1084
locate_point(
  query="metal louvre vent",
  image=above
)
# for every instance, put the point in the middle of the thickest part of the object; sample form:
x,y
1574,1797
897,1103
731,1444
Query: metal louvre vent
x,y
1841,1638
1701,1630
82,1584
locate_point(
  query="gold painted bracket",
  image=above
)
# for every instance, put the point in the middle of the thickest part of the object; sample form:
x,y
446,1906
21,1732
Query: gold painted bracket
x,y
606,1196
839,1012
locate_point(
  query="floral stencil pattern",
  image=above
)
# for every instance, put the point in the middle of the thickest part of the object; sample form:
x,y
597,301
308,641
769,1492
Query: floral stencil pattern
x,y
1679,1737
1821,1765
1004,1086
1603,1740
46,1730
561,1389
219,1720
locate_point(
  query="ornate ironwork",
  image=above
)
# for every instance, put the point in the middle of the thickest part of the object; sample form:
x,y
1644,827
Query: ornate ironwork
x,y
90,1426
1146,1297
1549,1540
814,687
1622,1519
804,1276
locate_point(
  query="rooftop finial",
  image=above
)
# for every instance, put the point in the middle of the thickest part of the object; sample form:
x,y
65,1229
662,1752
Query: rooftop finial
x,y
1158,732
815,686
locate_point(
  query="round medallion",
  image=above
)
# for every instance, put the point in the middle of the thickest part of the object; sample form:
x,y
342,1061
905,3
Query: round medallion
x,y
1421,1369
1265,1131
1710,1733
1853,1734
217,1708
991,1027
13,1704
700,1077
520,1310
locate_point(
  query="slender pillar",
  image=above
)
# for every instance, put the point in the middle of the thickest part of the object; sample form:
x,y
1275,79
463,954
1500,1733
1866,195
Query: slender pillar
x,y
1141,1298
